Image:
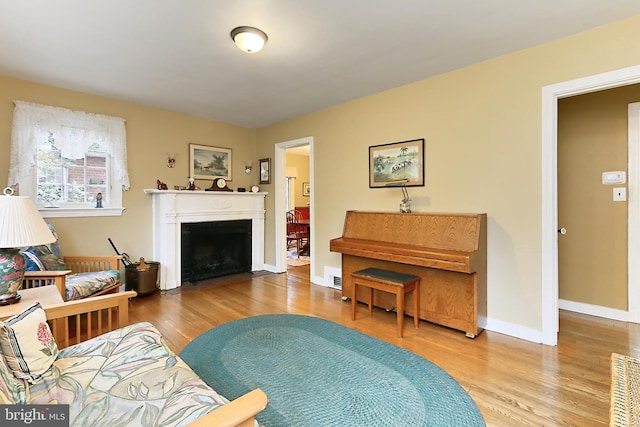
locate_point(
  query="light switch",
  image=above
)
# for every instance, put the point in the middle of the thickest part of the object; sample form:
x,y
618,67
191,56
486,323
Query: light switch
x,y
620,194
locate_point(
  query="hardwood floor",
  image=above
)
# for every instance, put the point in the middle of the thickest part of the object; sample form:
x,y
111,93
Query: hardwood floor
x,y
513,382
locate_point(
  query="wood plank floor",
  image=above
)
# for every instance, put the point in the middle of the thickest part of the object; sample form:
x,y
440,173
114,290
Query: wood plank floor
x,y
513,382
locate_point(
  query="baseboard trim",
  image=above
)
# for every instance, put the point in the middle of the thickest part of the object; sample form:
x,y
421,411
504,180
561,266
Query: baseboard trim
x,y
594,310
513,330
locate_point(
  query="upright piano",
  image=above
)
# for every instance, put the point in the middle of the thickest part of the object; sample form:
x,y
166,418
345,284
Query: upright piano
x,y
449,252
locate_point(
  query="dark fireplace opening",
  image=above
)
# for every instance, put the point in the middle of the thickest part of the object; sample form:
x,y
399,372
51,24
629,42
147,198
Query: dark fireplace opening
x,y
214,249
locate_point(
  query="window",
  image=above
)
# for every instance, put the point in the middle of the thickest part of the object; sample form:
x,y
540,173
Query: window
x,y
70,163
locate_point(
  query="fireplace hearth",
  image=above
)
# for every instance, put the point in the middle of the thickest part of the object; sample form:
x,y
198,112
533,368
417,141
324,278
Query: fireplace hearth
x,y
215,248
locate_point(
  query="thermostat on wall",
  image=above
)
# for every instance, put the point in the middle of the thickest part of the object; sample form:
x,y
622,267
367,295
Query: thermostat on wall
x,y
616,177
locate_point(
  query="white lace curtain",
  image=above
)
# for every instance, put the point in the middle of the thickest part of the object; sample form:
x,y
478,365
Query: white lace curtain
x,y
74,132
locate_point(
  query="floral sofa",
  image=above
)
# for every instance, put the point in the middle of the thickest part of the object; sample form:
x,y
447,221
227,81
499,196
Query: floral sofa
x,y
125,377
76,277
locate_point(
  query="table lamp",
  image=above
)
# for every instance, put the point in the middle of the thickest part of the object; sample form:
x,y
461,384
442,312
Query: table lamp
x,y
21,225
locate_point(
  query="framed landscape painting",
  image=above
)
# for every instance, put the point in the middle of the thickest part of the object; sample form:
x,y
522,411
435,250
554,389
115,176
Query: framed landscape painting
x,y
397,164
209,162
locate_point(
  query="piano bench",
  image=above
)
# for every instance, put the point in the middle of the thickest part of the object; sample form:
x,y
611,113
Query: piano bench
x,y
387,281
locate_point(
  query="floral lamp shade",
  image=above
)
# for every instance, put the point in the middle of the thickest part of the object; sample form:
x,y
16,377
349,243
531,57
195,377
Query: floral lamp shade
x,y
21,225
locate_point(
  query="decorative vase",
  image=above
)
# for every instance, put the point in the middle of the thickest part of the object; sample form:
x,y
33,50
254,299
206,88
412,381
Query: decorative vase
x,y
12,266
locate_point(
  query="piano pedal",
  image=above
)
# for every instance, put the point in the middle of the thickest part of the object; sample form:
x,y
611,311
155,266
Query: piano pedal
x,y
345,298
470,335
390,309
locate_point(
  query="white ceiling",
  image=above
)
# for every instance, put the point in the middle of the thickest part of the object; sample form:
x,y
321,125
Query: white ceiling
x,y
178,55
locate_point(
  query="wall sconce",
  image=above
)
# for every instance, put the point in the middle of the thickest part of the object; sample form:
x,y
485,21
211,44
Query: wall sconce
x,y
171,159
248,165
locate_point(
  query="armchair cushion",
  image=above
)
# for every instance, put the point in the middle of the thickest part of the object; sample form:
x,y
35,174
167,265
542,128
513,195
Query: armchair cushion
x,y
125,377
27,343
12,389
82,285
45,257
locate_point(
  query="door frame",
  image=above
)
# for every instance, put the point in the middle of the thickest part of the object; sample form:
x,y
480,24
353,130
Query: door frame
x,y
633,215
550,96
280,217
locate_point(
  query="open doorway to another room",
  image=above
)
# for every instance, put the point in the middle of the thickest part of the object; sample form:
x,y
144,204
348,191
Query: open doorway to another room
x,y
298,208
550,254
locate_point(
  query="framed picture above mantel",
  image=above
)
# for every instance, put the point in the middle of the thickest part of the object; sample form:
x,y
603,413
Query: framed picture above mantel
x,y
207,162
397,164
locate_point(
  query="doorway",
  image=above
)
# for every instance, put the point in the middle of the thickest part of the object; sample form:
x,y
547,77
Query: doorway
x,y
298,204
549,285
281,197
593,131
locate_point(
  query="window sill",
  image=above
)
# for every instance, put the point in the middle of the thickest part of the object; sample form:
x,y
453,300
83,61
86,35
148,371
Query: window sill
x,y
79,212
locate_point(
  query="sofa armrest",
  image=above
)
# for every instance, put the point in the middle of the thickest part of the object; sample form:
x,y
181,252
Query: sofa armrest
x,y
83,264
34,279
239,412
75,321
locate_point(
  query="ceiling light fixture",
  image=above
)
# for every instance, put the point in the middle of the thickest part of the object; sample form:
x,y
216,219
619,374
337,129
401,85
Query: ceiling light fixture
x,y
249,39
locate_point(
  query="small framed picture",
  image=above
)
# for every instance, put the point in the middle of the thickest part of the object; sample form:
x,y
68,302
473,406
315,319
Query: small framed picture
x,y
209,162
265,171
306,189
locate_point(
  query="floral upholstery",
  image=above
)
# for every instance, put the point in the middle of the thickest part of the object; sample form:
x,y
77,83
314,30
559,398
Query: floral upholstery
x,y
12,390
27,344
82,285
45,257
125,377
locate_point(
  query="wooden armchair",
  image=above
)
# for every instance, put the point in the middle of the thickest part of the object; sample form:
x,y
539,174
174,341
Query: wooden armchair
x,y
78,321
75,321
75,264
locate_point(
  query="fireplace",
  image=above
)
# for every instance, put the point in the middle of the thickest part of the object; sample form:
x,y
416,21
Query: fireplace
x,y
173,209
215,248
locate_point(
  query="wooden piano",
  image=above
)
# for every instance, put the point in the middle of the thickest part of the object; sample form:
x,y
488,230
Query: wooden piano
x,y
449,252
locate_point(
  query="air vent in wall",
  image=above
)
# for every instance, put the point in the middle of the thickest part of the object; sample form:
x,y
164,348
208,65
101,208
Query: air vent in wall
x,y
336,282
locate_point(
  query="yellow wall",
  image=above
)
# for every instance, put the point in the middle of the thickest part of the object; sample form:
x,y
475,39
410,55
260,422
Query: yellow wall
x,y
592,138
301,163
482,127
151,133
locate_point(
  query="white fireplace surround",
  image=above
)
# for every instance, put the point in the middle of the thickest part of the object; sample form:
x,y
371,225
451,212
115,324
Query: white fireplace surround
x,y
172,208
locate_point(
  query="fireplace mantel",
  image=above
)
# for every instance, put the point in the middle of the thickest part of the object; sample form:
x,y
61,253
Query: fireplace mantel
x,y
171,208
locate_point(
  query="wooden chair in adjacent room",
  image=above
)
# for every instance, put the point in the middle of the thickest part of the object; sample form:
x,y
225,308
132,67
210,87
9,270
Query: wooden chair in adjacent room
x,y
297,233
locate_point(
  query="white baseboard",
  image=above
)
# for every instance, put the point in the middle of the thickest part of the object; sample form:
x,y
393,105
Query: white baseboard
x,y
513,330
270,268
594,310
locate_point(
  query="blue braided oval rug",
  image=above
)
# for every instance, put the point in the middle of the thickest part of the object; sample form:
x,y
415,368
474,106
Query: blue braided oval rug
x,y
318,373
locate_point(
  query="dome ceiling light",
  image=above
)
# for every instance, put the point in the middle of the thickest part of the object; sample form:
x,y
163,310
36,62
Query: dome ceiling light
x,y
249,39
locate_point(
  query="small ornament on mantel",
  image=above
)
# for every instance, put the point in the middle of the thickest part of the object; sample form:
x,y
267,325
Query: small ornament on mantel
x,y
192,184
161,185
